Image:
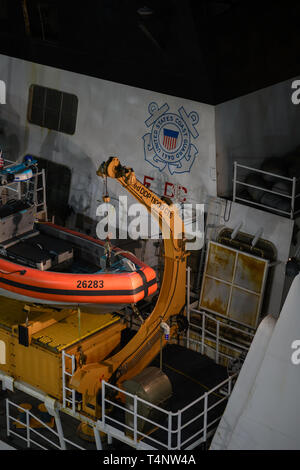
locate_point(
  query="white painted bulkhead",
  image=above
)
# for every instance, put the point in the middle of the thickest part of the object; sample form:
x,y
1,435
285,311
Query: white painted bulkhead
x,y
110,121
254,127
263,411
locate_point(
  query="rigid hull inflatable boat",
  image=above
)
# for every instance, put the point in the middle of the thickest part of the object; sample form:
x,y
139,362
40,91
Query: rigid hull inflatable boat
x,y
43,263
54,265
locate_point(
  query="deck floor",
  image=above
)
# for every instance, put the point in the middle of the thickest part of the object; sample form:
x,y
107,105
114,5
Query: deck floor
x,y
191,375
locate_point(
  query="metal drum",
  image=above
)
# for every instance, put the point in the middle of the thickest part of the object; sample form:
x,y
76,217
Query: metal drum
x,y
153,386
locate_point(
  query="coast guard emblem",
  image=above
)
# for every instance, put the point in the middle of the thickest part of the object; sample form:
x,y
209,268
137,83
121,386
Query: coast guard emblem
x,y
168,144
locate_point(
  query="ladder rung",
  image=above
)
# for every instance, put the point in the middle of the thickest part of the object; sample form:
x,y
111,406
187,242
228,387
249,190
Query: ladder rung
x,y
69,401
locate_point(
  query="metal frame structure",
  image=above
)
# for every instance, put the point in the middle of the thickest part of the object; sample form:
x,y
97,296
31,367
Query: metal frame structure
x,y
293,196
16,188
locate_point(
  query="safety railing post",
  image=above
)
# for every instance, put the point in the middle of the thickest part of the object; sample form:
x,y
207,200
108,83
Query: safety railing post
x,y
203,333
103,402
234,180
188,293
179,417
205,417
7,417
63,378
27,428
169,431
135,418
73,391
217,342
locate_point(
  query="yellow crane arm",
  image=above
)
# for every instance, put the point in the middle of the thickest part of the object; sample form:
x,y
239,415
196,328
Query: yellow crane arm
x,y
146,343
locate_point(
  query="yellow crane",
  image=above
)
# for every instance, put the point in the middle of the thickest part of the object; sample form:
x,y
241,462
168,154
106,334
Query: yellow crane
x,y
146,343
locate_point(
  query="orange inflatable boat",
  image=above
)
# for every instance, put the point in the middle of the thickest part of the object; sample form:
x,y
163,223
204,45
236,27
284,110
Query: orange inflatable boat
x,y
54,265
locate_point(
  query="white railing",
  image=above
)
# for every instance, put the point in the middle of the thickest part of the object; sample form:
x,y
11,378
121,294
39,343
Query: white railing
x,y
136,434
30,433
292,196
208,403
175,430
217,337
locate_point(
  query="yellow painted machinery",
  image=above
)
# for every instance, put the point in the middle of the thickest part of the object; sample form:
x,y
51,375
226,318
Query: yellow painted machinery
x,y
34,337
146,344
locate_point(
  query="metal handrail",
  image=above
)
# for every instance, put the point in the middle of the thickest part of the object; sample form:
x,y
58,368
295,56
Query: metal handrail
x,y
211,317
178,430
265,172
292,197
242,183
30,430
215,337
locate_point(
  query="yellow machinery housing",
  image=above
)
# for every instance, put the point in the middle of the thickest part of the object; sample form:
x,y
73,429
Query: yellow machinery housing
x,y
31,351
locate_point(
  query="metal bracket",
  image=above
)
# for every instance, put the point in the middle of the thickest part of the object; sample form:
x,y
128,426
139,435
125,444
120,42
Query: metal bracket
x,y
236,230
7,382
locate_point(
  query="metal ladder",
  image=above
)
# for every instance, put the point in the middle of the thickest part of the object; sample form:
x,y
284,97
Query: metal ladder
x,y
32,194
69,399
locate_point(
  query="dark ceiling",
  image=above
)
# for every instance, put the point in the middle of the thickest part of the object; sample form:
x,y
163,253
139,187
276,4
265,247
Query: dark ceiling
x,y
208,51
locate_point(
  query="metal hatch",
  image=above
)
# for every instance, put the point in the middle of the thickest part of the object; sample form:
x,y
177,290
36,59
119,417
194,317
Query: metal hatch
x,y
233,284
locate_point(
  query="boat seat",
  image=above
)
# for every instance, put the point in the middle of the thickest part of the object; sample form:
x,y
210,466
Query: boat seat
x,y
17,239
40,252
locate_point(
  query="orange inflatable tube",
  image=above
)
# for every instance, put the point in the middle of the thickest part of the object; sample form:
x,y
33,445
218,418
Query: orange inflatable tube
x,y
70,288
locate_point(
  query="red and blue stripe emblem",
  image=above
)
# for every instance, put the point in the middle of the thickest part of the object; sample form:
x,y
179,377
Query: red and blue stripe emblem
x,y
170,139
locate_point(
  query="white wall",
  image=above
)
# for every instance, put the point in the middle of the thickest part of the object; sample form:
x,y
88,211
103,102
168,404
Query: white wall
x,y
111,121
263,411
254,127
